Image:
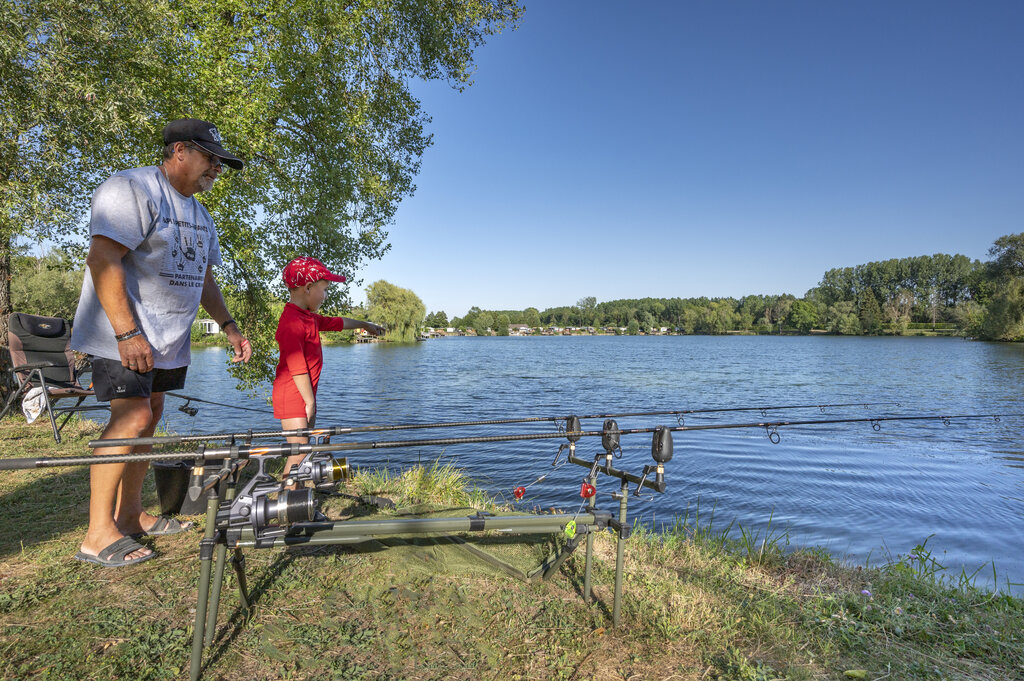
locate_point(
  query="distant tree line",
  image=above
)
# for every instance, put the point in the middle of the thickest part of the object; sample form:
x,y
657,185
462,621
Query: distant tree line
x,y
941,293
924,294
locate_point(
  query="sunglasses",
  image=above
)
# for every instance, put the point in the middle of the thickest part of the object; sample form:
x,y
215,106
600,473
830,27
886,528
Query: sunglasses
x,y
214,159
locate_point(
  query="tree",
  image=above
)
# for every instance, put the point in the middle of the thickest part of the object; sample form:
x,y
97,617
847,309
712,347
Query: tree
x,y
1008,254
633,328
437,320
897,310
47,286
842,318
483,324
315,94
531,317
869,312
399,310
803,315
586,307
1004,316
501,324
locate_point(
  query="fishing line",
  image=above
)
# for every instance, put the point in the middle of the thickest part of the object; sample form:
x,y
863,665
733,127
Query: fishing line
x,y
290,449
191,411
342,430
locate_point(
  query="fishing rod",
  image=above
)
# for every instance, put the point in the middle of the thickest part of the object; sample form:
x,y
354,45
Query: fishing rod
x,y
236,451
342,430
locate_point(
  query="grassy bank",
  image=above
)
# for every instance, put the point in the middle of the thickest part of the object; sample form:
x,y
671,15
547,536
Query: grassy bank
x,y
696,605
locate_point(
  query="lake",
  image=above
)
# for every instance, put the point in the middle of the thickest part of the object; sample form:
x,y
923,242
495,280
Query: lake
x,y
865,495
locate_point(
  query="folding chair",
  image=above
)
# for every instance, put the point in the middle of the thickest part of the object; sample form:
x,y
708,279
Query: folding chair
x,y
41,357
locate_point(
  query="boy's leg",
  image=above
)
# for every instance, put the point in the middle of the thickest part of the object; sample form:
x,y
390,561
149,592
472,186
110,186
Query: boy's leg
x,y
294,424
129,417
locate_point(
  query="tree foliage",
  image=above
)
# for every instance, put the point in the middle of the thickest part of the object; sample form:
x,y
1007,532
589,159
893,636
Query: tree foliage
x,y
1003,318
314,94
501,323
79,88
398,309
48,286
1008,256
483,322
437,320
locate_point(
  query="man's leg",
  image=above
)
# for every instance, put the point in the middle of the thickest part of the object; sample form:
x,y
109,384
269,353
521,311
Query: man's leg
x,y
129,417
128,513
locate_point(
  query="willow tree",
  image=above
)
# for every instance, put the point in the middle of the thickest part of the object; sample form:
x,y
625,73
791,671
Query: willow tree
x,y
1004,316
313,94
397,308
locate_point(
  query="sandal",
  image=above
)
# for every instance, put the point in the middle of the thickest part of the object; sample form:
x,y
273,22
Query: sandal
x,y
114,555
164,526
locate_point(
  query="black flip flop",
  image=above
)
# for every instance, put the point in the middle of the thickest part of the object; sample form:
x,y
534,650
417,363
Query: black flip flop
x,y
114,554
163,526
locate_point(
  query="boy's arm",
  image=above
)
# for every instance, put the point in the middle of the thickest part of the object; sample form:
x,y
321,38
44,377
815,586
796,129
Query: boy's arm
x,y
374,329
346,324
305,387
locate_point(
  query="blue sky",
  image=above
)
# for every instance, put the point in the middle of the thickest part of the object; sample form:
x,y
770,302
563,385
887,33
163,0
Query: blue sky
x,y
625,150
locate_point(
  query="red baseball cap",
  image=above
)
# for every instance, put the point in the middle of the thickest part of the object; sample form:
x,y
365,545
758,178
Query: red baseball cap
x,y
302,271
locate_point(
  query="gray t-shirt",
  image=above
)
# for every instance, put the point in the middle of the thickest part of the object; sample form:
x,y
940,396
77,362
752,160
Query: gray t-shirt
x,y
171,241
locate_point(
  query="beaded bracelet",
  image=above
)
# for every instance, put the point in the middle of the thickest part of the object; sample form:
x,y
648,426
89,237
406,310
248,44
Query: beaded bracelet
x,y
128,334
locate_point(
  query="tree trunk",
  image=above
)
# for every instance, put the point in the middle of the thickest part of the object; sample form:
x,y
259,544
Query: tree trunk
x,y
6,382
5,288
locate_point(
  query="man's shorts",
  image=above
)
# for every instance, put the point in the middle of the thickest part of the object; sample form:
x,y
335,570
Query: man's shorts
x,y
111,380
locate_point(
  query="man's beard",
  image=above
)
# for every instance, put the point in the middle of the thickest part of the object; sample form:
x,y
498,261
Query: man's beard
x,y
205,183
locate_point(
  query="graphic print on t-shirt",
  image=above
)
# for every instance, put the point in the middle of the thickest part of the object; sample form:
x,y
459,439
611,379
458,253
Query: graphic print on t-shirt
x,y
186,256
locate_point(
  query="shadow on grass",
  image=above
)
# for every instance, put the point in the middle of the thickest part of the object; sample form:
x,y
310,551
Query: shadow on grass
x,y
574,573
43,508
236,623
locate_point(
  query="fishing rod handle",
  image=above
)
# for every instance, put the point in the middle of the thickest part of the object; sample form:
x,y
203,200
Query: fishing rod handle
x,y
96,460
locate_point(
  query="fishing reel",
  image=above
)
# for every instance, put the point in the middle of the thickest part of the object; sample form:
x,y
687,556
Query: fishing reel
x,y
187,409
322,469
324,472
268,507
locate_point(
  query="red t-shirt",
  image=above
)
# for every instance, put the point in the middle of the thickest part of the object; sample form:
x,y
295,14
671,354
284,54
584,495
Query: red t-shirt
x,y
298,338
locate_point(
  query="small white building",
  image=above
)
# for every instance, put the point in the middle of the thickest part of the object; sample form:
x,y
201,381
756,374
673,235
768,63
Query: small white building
x,y
207,326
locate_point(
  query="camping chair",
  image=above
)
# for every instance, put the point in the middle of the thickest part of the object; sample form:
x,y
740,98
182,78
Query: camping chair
x,y
41,357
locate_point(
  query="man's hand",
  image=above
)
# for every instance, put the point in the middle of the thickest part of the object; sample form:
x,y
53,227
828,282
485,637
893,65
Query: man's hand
x,y
136,354
374,329
310,414
239,343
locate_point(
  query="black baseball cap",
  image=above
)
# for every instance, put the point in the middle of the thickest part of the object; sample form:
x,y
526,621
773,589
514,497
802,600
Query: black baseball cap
x,y
203,134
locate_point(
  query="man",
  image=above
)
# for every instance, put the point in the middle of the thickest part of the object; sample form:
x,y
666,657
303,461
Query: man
x,y
149,267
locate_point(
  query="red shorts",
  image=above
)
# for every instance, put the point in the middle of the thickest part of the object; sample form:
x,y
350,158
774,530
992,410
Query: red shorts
x,y
288,403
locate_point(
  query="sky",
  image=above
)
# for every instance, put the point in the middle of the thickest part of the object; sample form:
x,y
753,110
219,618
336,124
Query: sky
x,y
712,148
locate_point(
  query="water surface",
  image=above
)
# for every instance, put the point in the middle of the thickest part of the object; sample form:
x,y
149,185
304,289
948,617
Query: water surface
x,y
866,495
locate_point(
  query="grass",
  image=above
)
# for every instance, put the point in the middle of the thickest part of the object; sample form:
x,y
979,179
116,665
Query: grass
x,y
701,601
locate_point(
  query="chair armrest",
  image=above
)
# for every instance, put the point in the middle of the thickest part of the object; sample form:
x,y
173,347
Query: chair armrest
x,y
35,365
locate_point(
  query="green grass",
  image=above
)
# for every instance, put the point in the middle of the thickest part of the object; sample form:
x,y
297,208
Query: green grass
x,y
702,600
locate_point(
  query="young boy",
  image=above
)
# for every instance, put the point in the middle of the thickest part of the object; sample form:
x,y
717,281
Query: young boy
x,y
298,337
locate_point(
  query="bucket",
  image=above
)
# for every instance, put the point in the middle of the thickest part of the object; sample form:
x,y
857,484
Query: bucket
x,y
172,478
